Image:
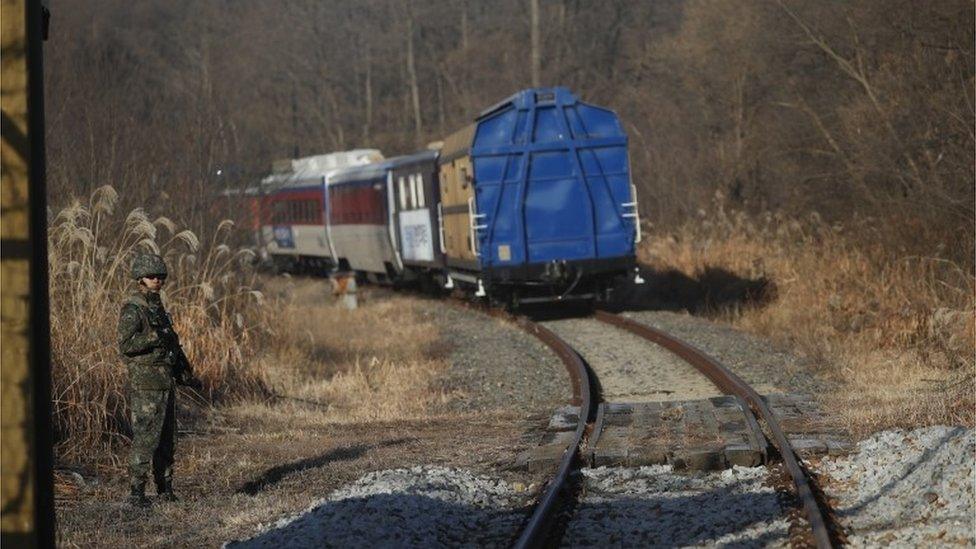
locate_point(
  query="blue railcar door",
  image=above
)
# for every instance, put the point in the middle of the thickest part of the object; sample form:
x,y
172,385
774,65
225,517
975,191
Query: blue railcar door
x,y
552,181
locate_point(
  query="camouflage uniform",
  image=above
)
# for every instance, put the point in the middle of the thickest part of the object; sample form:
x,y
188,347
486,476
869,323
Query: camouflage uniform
x,y
155,361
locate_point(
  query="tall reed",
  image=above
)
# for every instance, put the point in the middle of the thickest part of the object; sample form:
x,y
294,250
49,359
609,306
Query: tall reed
x,y
210,294
894,330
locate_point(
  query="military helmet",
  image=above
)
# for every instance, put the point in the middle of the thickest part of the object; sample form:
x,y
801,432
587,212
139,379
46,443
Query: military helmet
x,y
147,265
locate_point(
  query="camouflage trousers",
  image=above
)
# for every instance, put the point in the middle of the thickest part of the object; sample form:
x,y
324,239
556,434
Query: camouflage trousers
x,y
153,437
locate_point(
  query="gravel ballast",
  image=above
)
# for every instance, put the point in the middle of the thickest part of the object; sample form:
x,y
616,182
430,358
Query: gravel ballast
x,y
631,369
899,488
496,365
906,488
416,507
653,506
766,367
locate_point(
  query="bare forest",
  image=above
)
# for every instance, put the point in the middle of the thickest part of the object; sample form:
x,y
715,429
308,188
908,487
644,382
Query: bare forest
x,y
846,109
824,146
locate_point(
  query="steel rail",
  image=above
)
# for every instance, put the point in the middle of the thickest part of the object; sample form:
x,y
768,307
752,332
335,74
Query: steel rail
x,y
536,529
730,383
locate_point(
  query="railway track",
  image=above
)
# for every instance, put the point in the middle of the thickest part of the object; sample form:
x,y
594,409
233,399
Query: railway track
x,y
542,527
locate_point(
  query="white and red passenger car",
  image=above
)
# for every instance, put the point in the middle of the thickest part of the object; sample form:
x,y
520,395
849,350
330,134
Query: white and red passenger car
x,y
292,209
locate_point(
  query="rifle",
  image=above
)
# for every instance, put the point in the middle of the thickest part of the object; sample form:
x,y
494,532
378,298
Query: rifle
x,y
175,357
182,371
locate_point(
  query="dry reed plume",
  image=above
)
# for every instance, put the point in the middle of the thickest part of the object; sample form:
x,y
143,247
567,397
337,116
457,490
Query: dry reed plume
x,y
896,332
209,293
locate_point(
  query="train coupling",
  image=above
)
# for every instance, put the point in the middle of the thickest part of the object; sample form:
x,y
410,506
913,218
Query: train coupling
x,y
556,271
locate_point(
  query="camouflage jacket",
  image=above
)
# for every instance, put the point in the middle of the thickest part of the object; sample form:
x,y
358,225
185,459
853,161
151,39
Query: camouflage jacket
x,y
146,339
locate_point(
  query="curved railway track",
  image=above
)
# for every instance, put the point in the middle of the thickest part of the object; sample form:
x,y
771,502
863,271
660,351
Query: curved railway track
x,y
538,528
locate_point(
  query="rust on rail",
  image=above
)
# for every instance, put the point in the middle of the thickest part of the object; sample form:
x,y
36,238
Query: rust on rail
x,y
536,531
537,528
730,383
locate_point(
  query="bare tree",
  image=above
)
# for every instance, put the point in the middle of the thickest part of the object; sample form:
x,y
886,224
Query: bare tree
x,y
536,53
848,109
367,94
412,75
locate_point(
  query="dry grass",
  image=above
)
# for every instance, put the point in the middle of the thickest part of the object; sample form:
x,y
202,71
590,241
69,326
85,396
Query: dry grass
x,y
896,332
209,293
373,363
289,353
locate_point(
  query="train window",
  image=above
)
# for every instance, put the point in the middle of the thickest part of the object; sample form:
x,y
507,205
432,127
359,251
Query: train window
x,y
403,194
413,191
420,191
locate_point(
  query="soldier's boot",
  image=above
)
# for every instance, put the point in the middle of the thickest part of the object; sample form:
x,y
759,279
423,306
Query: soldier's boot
x,y
137,496
165,491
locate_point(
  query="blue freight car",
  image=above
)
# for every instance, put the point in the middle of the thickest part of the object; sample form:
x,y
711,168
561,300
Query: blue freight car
x,y
536,199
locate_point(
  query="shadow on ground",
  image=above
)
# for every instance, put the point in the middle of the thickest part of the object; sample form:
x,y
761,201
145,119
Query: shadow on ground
x,y
419,520
713,289
275,474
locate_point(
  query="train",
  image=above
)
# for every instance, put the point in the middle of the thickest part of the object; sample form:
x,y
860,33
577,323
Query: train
x,y
288,209
532,202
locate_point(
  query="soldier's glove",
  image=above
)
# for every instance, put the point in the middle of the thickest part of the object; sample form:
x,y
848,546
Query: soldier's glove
x,y
154,341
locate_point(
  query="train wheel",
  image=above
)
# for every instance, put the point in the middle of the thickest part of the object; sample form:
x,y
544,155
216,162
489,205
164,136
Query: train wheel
x,y
430,285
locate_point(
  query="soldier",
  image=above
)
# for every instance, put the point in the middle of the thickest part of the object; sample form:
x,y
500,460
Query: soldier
x,y
155,360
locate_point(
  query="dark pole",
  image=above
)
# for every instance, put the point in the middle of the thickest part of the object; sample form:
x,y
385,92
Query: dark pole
x,y
40,330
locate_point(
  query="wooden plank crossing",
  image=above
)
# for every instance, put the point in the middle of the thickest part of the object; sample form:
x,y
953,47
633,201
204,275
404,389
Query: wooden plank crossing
x,y
696,435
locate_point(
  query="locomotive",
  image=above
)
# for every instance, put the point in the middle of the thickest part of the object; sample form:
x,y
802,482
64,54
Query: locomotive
x,y
532,202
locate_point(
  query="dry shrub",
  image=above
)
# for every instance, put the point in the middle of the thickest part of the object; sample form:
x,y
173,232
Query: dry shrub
x,y
374,362
896,331
209,293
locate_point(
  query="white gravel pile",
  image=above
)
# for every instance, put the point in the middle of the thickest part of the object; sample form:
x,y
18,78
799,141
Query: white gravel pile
x,y
417,507
901,488
653,506
907,488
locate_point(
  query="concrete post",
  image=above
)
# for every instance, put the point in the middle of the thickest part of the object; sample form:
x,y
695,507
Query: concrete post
x,y
344,290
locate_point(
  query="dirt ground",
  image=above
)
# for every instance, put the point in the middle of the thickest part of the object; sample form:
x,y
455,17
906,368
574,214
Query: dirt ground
x,y
403,381
248,465
360,391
